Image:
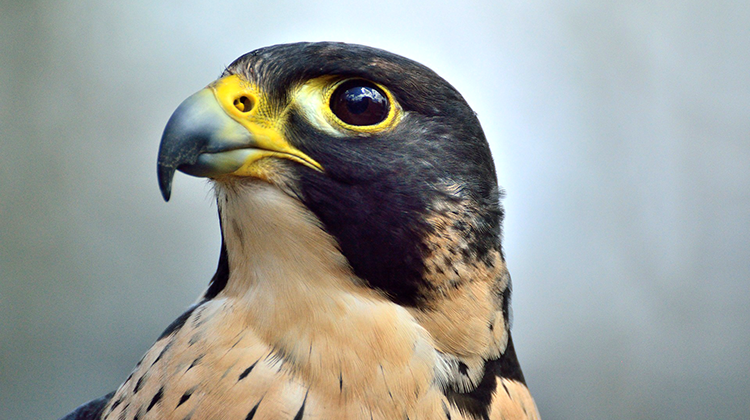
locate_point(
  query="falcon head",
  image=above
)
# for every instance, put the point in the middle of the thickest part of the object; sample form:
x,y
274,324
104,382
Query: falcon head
x,y
385,154
361,273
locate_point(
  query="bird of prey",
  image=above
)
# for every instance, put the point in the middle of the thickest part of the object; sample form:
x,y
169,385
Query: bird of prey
x,y
361,274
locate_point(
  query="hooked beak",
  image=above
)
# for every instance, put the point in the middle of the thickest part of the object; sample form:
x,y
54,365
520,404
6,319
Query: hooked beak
x,y
222,129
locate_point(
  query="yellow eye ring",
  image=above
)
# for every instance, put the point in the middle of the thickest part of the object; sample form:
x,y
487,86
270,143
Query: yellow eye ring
x,y
367,106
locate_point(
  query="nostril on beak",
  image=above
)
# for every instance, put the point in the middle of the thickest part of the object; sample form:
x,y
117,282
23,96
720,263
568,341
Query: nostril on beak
x,y
243,104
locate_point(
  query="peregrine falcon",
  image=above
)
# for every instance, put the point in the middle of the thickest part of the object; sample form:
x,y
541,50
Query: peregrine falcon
x,y
361,273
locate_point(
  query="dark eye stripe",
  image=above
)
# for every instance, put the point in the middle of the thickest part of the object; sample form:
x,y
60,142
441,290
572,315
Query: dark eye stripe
x,y
358,102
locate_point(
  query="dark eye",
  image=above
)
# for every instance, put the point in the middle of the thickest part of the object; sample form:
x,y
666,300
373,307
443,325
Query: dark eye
x,y
358,102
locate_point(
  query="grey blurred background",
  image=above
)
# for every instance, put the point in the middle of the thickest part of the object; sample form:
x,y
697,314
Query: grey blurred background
x,y
621,132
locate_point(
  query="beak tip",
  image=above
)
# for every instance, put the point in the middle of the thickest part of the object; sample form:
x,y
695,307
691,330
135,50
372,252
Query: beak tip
x,y
165,175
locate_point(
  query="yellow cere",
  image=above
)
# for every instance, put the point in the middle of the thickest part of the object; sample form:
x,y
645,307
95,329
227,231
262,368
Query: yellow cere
x,y
246,104
313,100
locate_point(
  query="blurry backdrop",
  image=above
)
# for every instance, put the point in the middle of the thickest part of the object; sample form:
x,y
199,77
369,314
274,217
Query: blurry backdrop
x,y
621,132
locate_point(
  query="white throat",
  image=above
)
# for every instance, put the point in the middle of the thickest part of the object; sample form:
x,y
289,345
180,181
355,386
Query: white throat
x,y
275,244
297,292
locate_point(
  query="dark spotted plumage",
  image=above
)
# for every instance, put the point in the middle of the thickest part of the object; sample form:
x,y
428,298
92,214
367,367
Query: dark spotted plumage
x,y
251,414
157,397
372,286
184,397
245,372
477,402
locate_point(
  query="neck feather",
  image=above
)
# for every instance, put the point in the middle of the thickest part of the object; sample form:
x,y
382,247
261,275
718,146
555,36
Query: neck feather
x,y
295,289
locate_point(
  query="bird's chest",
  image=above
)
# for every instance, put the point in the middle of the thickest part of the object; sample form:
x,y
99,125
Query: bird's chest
x,y
218,365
